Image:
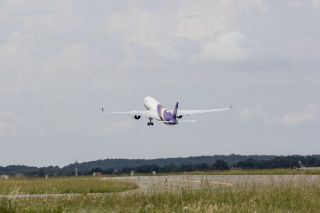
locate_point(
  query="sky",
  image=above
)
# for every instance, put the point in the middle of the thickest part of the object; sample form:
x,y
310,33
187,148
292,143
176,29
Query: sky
x,y
61,61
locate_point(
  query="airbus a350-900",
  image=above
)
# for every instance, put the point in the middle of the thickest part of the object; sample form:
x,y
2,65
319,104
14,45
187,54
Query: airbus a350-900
x,y
155,111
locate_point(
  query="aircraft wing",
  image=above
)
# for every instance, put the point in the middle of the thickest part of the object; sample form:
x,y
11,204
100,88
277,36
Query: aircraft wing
x,y
143,113
194,112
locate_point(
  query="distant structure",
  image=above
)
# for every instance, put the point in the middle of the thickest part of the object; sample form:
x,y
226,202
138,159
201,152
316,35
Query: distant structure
x,y
19,175
302,167
95,174
76,170
154,172
132,173
4,177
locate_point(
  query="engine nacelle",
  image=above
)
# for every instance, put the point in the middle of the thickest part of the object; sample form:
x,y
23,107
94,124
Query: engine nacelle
x,y
137,117
180,116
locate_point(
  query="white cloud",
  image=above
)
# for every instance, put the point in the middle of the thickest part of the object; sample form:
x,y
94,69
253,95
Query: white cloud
x,y
302,3
309,115
230,47
316,3
295,3
77,62
207,25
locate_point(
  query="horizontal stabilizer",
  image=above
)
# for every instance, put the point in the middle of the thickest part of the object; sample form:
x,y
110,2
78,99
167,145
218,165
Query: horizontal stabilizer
x,y
187,121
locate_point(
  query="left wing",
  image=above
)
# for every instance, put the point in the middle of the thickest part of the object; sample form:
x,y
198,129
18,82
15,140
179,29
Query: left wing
x,y
194,112
143,113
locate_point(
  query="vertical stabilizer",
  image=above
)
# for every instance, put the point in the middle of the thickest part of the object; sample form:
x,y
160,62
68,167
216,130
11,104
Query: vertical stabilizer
x,y
300,164
175,110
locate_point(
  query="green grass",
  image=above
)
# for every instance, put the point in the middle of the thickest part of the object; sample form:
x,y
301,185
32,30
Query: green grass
x,y
287,195
63,185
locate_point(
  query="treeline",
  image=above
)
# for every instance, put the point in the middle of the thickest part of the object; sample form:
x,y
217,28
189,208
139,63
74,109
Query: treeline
x,y
119,164
149,168
201,163
279,162
290,162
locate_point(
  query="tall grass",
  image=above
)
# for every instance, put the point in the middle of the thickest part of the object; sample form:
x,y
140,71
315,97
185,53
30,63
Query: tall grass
x,y
287,195
66,185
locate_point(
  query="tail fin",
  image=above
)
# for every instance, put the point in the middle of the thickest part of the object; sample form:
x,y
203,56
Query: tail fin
x,y
175,111
300,164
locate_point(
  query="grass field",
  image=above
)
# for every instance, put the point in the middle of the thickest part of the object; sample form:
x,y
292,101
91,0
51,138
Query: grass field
x,y
260,172
62,185
240,172
286,195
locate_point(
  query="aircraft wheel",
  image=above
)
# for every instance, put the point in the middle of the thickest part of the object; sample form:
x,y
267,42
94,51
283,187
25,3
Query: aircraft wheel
x,y
151,124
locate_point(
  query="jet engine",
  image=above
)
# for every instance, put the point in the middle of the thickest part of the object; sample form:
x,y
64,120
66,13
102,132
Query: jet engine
x,y
137,117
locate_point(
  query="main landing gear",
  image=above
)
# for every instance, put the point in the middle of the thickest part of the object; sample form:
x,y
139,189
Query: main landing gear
x,y
150,123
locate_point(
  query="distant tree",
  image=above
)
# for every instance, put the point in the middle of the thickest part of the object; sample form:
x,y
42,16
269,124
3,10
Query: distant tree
x,y
248,164
98,169
201,167
145,168
220,165
169,168
41,172
127,170
154,167
186,168
108,171
312,161
284,162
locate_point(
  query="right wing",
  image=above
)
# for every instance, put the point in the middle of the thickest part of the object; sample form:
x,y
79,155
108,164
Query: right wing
x,y
194,112
143,113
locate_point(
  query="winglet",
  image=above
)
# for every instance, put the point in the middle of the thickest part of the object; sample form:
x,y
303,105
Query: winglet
x,y
230,106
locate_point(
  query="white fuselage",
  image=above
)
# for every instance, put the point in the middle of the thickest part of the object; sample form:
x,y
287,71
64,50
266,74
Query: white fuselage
x,y
152,105
159,112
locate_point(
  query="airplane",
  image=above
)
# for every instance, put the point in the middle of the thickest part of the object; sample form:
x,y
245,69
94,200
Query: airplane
x,y
302,167
155,111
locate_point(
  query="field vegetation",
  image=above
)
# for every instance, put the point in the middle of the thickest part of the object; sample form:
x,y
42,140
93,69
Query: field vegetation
x,y
62,185
256,172
235,172
287,195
